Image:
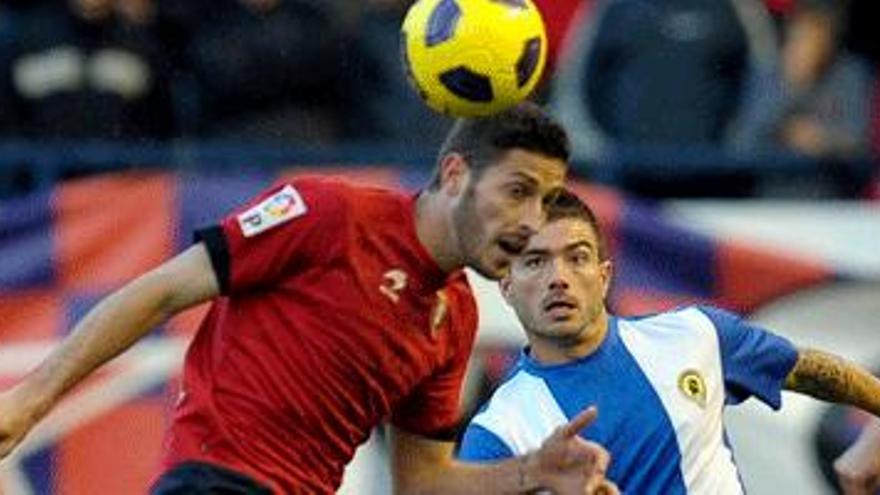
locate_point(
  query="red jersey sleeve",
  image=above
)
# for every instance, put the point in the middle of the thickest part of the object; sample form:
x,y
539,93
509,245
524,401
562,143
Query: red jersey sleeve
x,y
433,409
286,228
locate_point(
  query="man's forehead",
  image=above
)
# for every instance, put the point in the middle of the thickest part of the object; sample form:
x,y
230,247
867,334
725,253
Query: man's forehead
x,y
561,234
534,166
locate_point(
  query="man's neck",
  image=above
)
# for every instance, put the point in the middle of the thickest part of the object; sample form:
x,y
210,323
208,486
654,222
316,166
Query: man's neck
x,y
434,231
555,351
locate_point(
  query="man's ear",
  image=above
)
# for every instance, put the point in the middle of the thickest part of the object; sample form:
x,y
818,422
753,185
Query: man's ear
x,y
504,287
606,272
454,174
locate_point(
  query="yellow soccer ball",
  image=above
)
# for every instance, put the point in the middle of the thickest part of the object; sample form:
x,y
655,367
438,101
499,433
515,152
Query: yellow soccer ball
x,y
470,58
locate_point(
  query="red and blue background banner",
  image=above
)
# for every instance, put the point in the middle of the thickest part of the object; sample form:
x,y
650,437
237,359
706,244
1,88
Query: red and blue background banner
x,y
62,250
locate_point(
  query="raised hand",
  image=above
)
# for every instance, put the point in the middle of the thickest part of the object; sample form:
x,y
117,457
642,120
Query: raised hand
x,y
568,464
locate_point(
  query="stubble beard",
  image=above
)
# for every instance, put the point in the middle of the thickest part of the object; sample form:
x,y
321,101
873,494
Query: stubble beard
x,y
574,337
470,235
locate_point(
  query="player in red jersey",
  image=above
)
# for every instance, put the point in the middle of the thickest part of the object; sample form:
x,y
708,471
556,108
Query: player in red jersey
x,y
337,308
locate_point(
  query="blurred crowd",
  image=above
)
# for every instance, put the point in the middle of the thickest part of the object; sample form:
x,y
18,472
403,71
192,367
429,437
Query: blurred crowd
x,y
750,78
276,70
743,76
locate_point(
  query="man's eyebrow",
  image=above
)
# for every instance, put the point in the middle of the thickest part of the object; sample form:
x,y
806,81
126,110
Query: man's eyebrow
x,y
534,251
569,247
582,243
524,176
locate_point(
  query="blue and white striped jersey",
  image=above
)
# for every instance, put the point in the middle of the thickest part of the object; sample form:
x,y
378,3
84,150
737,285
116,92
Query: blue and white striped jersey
x,y
661,383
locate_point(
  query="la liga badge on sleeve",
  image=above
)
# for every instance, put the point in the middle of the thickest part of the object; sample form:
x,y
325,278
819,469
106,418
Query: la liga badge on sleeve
x,y
278,208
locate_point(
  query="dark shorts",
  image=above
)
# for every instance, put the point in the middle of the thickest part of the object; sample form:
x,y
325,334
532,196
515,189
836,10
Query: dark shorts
x,y
198,478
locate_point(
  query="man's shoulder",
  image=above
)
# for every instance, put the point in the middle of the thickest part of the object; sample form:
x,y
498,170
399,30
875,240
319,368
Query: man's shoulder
x,y
682,321
459,282
521,412
341,186
350,198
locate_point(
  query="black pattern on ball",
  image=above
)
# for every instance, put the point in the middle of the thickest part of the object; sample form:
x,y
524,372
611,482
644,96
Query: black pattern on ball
x,y
467,84
442,22
528,61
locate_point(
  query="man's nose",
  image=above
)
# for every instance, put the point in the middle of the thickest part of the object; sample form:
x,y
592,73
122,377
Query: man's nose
x,y
557,275
533,216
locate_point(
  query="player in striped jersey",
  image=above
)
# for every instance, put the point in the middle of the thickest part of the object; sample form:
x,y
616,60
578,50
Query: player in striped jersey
x,y
660,382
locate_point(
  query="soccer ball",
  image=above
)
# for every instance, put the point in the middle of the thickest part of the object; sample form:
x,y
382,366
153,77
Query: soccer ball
x,y
470,58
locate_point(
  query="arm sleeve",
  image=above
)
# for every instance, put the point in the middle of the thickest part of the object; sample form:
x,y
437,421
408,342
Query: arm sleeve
x,y
481,445
754,360
287,228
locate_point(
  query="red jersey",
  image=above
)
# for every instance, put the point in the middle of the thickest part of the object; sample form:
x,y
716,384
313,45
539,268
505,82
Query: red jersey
x,y
333,319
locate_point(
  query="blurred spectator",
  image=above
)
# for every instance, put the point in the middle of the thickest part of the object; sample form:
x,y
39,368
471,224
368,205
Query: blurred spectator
x,y
660,72
271,69
88,69
860,32
817,102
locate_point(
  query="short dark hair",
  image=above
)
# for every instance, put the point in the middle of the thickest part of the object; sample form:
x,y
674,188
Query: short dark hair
x,y
566,204
482,140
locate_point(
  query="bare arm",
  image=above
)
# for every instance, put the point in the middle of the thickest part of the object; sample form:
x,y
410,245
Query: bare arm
x,y
831,378
858,469
110,328
565,464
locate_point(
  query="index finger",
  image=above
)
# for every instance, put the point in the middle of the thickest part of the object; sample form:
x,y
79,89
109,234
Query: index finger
x,y
579,422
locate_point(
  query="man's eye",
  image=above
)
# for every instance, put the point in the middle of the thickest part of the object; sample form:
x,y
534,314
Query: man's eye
x,y
533,262
519,191
580,258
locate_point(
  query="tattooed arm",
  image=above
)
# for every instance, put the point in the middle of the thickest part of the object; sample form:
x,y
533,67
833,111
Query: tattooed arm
x,y
831,378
